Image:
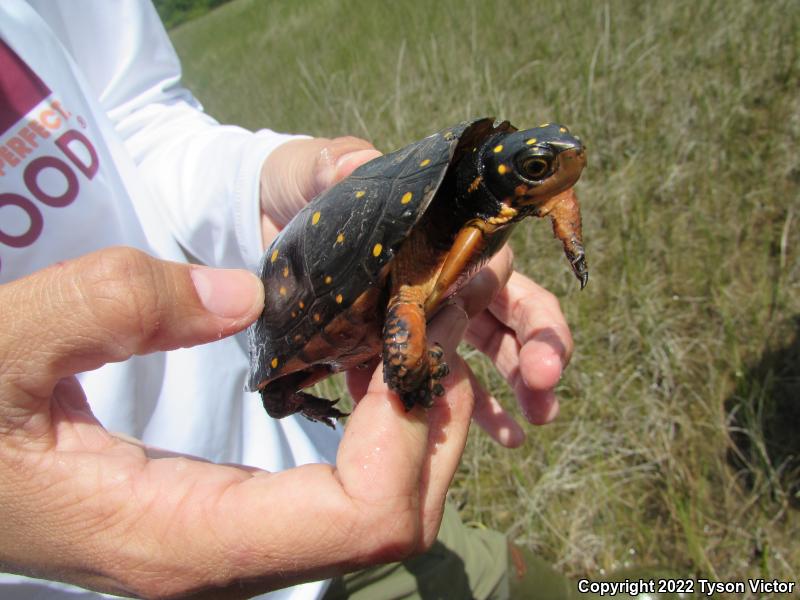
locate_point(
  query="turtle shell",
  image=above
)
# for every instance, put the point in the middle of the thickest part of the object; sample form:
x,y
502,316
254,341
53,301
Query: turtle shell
x,y
342,243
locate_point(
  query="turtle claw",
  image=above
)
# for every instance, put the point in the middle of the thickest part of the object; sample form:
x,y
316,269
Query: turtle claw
x,y
419,397
576,256
441,371
430,386
280,401
436,352
320,410
580,269
439,368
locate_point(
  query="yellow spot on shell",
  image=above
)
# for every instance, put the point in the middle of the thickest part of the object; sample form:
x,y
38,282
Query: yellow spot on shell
x,y
339,298
285,271
360,194
301,304
502,169
425,162
328,279
545,125
294,314
274,256
498,148
317,317
282,291
562,129
274,362
531,141
377,249
315,218
340,238
406,198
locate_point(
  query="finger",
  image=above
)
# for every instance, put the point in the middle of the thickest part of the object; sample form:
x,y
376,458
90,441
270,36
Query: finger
x,y
530,342
534,393
379,404
110,305
535,316
409,457
349,162
478,294
358,379
487,334
524,333
526,319
492,417
336,158
449,419
539,406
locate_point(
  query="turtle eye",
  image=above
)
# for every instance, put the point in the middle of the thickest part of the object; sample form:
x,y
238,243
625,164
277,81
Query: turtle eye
x,y
534,167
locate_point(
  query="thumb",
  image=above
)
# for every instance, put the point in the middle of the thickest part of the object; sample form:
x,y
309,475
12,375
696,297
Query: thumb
x,y
109,305
300,169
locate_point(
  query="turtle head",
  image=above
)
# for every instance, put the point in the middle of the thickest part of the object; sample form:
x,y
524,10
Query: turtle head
x,y
532,172
528,168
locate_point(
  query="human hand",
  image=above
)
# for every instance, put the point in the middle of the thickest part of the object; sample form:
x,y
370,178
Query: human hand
x,y
81,505
295,172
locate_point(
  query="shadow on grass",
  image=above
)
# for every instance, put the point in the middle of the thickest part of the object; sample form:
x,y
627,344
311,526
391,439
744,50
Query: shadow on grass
x,y
764,421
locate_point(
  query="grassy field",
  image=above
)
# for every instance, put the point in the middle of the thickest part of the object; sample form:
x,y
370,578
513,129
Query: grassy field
x,y
679,438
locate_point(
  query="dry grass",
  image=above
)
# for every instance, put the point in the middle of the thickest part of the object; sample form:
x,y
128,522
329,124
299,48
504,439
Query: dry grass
x,y
678,442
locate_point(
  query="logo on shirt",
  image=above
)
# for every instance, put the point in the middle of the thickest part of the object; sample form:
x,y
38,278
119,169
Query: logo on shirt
x,y
39,144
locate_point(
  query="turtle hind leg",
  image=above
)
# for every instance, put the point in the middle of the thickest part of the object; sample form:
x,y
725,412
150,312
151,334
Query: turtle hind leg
x,y
283,397
410,368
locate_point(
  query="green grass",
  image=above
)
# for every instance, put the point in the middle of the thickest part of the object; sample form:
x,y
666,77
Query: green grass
x,y
678,442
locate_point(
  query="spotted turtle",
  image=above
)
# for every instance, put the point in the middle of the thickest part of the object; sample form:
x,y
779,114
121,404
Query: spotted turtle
x,y
360,270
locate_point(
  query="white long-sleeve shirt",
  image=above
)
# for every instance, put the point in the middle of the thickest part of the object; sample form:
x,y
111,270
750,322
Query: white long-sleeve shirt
x,y
100,145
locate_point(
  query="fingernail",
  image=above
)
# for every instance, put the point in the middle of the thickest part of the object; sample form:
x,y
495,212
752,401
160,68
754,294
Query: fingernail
x,y
347,163
540,409
227,293
325,172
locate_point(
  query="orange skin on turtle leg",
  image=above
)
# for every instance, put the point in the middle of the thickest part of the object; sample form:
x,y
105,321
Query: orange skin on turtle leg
x,y
409,367
565,213
421,276
468,243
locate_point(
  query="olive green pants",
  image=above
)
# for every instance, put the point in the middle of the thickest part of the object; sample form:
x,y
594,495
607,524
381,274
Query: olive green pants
x,y
464,562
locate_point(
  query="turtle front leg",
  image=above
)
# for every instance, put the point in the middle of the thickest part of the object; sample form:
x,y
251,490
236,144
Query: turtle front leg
x,y
410,368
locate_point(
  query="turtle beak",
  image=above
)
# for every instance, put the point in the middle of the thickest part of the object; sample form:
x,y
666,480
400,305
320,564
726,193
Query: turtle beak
x,y
572,159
